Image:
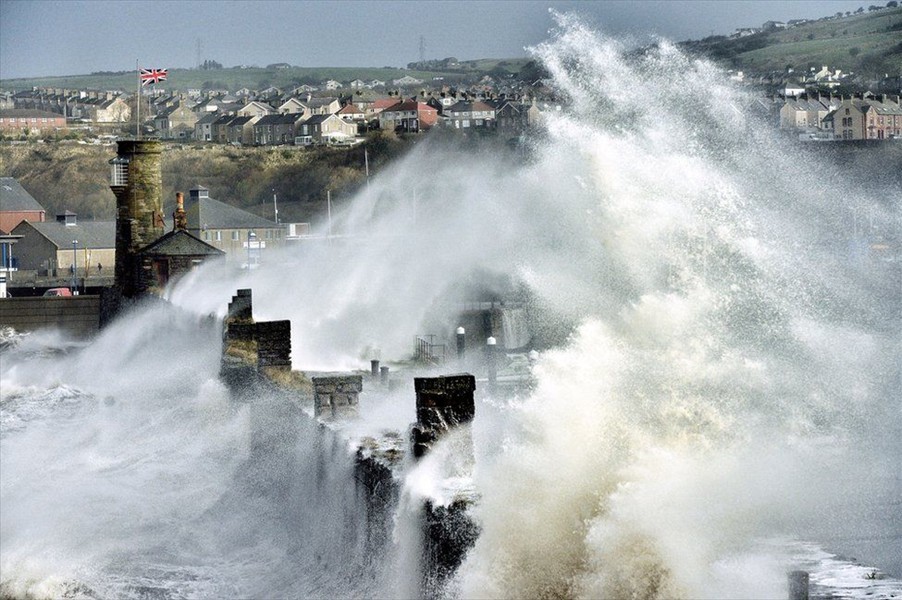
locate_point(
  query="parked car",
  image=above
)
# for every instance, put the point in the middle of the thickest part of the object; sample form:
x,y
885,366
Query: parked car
x,y
58,292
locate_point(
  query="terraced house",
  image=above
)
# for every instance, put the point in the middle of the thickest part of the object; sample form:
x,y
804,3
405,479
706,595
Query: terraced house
x,y
27,121
866,119
275,129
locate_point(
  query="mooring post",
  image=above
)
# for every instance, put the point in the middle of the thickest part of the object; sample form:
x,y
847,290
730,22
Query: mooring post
x,y
798,585
490,360
383,376
374,368
461,343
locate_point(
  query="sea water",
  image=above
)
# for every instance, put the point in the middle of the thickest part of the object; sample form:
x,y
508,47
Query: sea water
x,y
716,398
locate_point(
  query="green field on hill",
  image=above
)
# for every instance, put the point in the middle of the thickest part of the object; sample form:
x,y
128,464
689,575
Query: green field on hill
x,y
869,43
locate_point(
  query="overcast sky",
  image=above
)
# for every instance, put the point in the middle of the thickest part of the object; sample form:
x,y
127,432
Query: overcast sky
x,y
72,37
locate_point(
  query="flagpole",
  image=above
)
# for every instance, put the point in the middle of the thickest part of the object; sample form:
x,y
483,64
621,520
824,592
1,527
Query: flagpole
x,y
138,102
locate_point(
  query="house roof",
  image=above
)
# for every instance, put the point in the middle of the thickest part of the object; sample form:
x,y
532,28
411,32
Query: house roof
x,y
349,109
469,107
409,105
318,119
206,119
14,198
29,112
239,121
885,108
206,213
180,243
320,102
281,119
92,235
383,103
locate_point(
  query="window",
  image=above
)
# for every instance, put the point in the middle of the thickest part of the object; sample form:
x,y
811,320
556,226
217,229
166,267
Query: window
x,y
119,171
236,235
218,236
206,236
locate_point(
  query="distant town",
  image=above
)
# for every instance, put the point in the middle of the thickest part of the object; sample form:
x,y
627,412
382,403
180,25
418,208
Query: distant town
x,y
821,102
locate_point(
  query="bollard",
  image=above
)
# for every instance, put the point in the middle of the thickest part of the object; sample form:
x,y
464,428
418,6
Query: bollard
x,y
798,585
461,343
490,360
383,375
374,368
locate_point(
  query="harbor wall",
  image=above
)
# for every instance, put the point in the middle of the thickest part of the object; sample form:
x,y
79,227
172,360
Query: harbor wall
x,y
78,316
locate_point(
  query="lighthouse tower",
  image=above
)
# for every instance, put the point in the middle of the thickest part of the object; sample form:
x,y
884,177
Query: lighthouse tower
x,y
137,181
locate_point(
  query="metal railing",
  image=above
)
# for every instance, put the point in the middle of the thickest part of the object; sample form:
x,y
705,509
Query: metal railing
x,y
427,351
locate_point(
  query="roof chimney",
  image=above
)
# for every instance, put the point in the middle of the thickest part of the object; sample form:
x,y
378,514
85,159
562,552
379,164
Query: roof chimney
x,y
179,217
67,218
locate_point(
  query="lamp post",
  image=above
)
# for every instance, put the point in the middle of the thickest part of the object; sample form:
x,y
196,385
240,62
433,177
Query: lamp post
x,y
461,334
251,236
74,266
490,356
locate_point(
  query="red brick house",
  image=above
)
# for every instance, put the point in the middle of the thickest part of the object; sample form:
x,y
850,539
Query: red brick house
x,y
17,205
26,121
409,116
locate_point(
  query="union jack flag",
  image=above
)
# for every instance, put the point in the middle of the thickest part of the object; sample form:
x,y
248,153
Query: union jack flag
x,y
150,76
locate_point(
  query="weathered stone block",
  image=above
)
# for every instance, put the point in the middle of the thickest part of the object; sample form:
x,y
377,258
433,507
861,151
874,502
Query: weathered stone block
x,y
442,403
336,396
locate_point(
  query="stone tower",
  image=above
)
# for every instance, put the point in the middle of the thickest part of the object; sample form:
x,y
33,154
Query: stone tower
x,y
137,182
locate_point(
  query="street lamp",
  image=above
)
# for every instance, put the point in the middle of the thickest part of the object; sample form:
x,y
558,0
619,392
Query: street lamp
x,y
251,236
490,356
74,265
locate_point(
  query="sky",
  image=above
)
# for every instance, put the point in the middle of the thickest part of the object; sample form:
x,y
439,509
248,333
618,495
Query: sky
x,y
41,38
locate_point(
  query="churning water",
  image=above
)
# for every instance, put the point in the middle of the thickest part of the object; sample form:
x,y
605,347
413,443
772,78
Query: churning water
x,y
717,400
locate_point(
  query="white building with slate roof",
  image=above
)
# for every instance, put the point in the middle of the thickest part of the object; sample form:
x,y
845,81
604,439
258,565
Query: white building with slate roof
x,y
229,228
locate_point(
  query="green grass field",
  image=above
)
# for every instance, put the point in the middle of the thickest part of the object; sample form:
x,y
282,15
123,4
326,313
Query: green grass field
x,y
869,43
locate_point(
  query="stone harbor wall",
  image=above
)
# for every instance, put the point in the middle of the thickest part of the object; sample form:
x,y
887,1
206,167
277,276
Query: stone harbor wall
x,y
76,315
264,344
241,308
273,343
337,397
448,533
442,404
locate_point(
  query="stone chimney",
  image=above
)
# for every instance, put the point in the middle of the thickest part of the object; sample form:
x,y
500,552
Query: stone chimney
x,y
179,217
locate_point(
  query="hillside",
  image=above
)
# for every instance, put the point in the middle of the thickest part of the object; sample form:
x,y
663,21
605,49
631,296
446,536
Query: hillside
x,y
869,44
76,177
256,78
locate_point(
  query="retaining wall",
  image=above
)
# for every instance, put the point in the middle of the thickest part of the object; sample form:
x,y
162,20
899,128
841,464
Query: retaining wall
x,y
76,315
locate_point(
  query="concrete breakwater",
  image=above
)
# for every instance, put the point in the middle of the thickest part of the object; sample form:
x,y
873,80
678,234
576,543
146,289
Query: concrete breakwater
x,y
256,363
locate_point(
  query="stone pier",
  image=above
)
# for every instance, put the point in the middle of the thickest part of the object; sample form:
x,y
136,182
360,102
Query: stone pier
x,y
442,403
